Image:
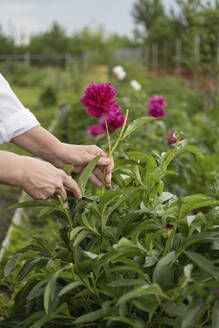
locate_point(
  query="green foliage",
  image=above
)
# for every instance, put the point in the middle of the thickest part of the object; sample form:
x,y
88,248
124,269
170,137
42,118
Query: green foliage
x,y
48,97
132,256
136,256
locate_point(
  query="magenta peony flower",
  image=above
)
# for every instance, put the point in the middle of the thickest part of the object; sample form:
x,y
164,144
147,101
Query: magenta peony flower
x,y
114,121
171,139
157,104
169,227
217,290
99,99
97,129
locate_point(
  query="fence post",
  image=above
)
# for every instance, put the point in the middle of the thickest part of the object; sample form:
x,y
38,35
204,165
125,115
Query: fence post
x,y
147,54
27,60
68,62
64,121
197,58
178,56
217,68
154,55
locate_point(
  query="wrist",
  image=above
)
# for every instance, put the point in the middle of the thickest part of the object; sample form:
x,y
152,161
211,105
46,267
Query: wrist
x,y
41,143
11,169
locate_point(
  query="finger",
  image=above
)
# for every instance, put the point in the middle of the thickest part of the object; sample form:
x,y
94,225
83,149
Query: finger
x,y
73,187
61,192
95,180
95,150
108,176
77,169
99,173
104,161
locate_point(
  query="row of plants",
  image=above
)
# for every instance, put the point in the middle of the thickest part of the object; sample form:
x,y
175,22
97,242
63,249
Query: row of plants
x,y
145,252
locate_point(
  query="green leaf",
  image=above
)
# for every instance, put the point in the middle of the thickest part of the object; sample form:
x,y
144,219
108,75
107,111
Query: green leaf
x,y
137,155
50,290
29,265
69,287
146,303
150,168
75,231
133,323
34,292
90,317
163,263
203,263
192,149
137,124
196,201
108,198
191,315
215,315
82,181
83,234
36,203
153,289
202,237
11,264
127,193
126,282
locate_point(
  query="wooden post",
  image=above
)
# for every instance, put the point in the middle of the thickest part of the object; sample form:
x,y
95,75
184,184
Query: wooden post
x,y
68,62
178,56
154,55
217,69
165,56
197,59
27,60
147,54
64,121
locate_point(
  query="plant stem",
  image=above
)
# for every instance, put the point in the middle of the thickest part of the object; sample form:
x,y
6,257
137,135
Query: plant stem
x,y
110,149
108,136
65,210
121,132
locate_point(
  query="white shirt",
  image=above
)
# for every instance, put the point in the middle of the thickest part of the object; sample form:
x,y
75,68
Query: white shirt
x,y
15,119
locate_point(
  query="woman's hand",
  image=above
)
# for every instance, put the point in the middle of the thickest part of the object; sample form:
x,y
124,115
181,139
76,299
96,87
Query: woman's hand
x,y
40,142
80,156
41,180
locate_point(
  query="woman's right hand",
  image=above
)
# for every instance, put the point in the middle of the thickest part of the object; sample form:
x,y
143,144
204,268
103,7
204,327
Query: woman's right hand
x,y
42,180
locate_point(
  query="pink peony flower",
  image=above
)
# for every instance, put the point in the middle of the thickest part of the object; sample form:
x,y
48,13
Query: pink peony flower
x,y
171,139
97,129
217,290
169,227
157,104
114,121
99,99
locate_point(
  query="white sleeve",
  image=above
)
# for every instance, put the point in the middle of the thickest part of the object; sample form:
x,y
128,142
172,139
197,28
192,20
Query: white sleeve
x,y
15,119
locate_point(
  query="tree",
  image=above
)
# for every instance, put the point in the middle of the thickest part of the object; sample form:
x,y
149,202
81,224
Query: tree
x,y
54,41
7,44
146,13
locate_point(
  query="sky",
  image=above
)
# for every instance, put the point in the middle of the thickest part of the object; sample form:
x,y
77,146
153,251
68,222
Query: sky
x,y
21,18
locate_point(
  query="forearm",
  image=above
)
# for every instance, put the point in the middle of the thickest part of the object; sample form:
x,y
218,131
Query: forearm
x,y
10,168
41,143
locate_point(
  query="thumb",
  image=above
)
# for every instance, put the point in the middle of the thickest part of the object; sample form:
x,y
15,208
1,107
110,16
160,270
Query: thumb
x,y
104,161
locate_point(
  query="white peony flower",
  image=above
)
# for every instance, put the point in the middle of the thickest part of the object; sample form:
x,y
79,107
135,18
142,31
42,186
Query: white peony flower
x,y
119,72
135,85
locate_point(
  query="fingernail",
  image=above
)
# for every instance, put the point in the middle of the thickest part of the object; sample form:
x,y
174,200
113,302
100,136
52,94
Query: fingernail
x,y
106,161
